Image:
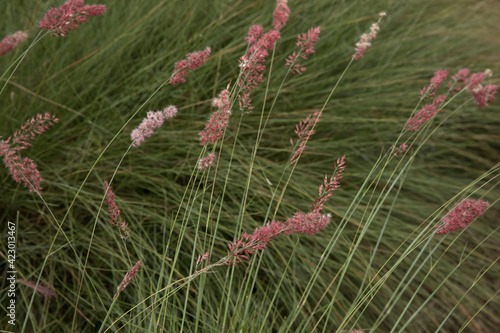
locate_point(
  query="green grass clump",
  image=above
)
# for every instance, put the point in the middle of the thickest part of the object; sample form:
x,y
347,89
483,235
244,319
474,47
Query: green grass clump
x,y
376,267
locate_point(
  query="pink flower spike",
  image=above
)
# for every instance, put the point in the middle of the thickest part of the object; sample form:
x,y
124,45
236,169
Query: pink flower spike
x,y
306,45
24,170
252,66
485,95
214,128
114,213
309,224
207,161
62,20
461,75
32,128
304,130
202,258
398,150
10,42
280,15
474,81
326,189
436,80
425,114
192,61
254,33
461,216
482,94
153,121
454,85
365,39
128,277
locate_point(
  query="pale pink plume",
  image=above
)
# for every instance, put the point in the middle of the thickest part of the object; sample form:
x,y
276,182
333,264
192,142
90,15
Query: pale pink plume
x,y
59,21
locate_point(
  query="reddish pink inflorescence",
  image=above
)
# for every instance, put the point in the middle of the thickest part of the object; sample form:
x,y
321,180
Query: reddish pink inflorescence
x,y
152,121
254,34
214,128
207,161
365,39
252,66
304,130
437,79
305,42
114,212
128,277
426,113
483,94
42,289
252,63
280,15
398,150
300,223
10,42
463,214
69,16
326,189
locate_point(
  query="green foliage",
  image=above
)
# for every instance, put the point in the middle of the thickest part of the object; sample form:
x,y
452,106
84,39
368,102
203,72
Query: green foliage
x,y
98,76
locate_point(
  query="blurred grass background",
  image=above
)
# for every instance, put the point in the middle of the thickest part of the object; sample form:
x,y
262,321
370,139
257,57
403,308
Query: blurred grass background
x,y
95,78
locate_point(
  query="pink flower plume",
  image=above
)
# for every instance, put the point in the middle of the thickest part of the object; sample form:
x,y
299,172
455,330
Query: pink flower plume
x,y
152,121
437,79
202,258
425,114
280,15
252,66
365,39
69,16
10,42
207,161
326,189
114,213
310,223
304,130
305,42
42,289
126,280
192,61
399,150
24,170
241,248
483,94
214,128
254,34
463,214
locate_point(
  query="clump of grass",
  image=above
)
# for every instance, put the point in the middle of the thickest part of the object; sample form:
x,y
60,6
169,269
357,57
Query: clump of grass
x,y
377,265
